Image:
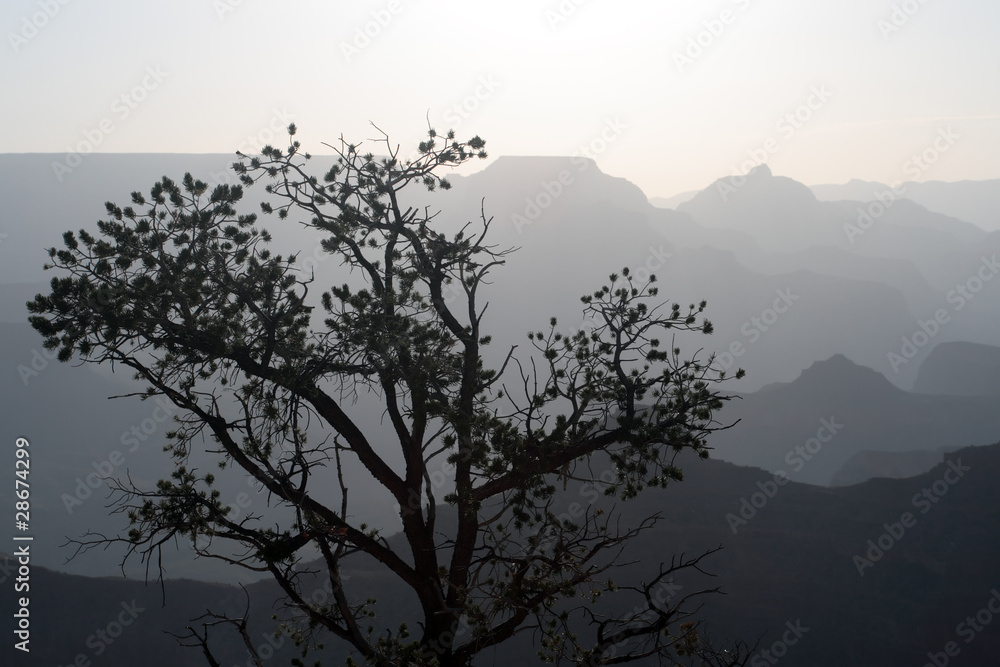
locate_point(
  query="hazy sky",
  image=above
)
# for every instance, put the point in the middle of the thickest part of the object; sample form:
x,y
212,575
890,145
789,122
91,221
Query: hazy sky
x,y
682,92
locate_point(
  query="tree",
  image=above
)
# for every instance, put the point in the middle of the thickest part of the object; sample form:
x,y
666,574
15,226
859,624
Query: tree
x,y
181,288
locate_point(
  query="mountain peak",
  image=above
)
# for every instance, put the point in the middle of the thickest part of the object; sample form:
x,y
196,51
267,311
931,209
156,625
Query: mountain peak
x,y
838,363
543,178
839,372
757,190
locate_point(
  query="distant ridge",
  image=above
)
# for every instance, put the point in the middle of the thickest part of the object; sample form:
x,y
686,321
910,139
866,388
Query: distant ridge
x,y
977,202
792,558
811,427
960,369
864,466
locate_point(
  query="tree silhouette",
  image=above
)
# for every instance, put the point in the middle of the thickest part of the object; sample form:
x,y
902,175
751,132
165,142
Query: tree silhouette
x,y
181,288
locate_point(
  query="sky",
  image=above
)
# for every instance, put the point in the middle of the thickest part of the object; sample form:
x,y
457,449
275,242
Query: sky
x,y
670,95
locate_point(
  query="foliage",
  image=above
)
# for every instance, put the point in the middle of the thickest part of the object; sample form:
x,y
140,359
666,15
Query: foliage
x,y
181,288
